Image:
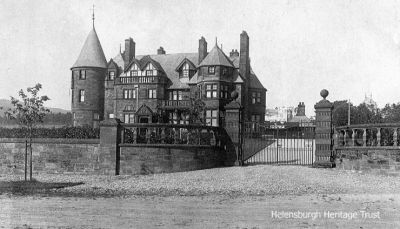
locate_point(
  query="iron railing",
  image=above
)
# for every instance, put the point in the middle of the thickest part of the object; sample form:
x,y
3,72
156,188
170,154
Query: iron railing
x,y
139,133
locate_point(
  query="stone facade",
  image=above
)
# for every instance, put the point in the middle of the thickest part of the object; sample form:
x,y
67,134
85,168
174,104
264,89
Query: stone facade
x,y
59,156
149,159
376,160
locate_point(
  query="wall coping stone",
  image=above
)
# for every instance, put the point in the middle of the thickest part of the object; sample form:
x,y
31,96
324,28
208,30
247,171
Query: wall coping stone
x,y
367,148
183,146
52,140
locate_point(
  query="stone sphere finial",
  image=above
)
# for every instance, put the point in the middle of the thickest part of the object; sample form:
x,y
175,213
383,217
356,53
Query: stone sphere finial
x,y
324,93
234,95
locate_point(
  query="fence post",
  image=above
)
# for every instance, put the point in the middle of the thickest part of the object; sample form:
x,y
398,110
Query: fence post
x,y
323,132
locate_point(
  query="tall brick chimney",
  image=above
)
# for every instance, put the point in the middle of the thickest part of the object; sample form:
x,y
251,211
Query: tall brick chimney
x,y
202,49
244,61
244,69
160,51
129,53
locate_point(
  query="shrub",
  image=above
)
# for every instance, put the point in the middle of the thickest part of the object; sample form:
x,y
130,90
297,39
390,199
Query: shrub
x,y
84,132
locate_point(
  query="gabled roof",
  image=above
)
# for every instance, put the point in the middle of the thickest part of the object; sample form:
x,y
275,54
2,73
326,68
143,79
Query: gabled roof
x,y
169,62
92,54
191,65
146,60
134,60
254,81
112,64
216,57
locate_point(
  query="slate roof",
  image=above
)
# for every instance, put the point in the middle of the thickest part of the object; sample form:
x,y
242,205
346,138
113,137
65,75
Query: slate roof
x,y
254,81
216,57
300,119
169,63
92,54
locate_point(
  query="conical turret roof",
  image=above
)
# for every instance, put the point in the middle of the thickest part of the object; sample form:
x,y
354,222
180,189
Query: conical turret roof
x,y
216,57
92,54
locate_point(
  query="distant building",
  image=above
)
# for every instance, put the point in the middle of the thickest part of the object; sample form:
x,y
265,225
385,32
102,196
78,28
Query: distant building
x,y
160,87
300,118
370,103
279,114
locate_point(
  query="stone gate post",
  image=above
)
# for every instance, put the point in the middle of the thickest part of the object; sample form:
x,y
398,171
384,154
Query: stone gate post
x,y
234,128
109,149
323,132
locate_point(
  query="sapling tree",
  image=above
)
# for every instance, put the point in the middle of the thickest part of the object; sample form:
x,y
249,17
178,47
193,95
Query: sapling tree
x,y
28,111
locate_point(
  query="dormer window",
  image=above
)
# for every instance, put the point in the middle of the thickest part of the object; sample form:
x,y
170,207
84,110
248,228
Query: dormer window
x,y
211,70
185,70
82,74
134,70
149,70
111,75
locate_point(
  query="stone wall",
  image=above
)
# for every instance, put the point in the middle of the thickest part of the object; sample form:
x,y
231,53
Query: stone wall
x,y
149,159
377,160
79,156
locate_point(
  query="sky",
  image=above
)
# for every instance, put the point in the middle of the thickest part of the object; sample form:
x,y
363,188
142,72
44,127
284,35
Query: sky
x,y
297,47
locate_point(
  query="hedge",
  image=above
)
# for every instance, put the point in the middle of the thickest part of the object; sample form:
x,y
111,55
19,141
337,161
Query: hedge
x,y
63,132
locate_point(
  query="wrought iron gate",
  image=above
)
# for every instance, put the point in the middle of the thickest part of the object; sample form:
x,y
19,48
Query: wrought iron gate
x,y
290,146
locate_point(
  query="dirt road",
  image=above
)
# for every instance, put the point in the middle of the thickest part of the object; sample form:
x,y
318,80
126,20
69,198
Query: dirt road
x,y
329,211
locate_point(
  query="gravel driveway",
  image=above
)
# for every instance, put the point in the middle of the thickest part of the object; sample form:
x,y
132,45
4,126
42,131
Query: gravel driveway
x,y
257,180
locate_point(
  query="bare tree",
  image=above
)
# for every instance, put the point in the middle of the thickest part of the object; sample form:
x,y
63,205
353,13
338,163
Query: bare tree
x,y
28,111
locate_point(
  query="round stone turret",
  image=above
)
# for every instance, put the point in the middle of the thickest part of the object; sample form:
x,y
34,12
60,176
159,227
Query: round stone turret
x,y
87,83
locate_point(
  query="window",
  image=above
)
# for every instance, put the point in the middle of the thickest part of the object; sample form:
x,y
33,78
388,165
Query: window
x,y
96,116
255,97
111,75
152,93
134,70
129,118
175,95
255,118
224,91
149,72
129,93
173,118
212,117
224,71
185,70
110,115
211,90
211,70
82,74
81,95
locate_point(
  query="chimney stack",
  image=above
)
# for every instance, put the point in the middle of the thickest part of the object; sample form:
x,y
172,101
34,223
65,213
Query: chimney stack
x,y
234,53
301,109
160,51
202,49
244,61
129,53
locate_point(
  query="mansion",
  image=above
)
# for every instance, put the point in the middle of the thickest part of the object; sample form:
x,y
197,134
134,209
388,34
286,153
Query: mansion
x,y
163,87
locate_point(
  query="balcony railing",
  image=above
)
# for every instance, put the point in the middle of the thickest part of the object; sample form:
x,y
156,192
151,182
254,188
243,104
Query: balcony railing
x,y
367,135
138,79
172,134
175,103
